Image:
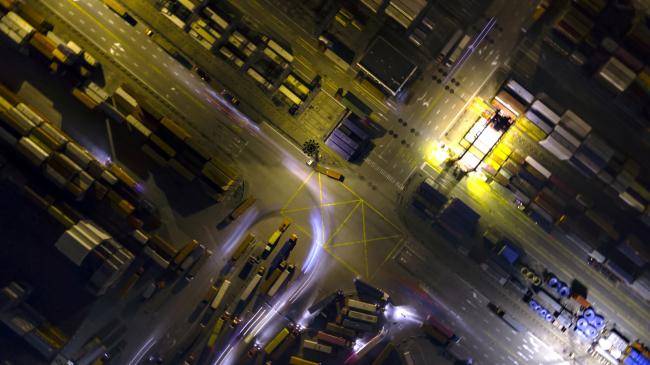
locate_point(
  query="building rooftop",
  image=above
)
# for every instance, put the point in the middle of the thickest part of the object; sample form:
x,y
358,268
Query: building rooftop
x,y
387,66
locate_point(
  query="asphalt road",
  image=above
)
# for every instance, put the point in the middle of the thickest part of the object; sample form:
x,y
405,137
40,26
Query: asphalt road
x,y
265,162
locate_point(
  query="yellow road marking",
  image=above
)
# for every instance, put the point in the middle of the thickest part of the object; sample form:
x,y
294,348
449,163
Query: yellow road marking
x,y
301,228
390,253
348,243
341,261
338,229
300,187
345,202
322,215
350,190
384,217
365,245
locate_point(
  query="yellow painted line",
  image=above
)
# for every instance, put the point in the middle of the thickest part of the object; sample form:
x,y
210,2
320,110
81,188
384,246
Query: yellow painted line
x,y
390,253
350,190
348,243
384,217
300,187
305,64
285,211
341,261
344,202
306,45
301,228
365,245
338,229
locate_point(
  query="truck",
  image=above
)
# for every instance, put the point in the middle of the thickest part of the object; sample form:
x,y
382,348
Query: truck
x,y
453,57
438,331
373,293
192,257
241,208
274,275
242,246
271,243
284,252
220,294
248,266
248,290
191,273
325,171
121,11
284,277
446,50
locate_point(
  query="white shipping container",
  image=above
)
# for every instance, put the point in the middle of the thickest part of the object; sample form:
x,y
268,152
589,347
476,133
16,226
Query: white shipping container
x,y
537,166
220,295
545,111
556,149
616,74
155,257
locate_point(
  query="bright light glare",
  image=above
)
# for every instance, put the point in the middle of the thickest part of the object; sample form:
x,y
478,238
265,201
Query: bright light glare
x,y
438,154
402,313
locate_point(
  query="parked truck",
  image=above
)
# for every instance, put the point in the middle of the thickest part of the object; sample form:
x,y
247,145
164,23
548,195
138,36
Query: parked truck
x,y
284,252
248,291
439,332
325,171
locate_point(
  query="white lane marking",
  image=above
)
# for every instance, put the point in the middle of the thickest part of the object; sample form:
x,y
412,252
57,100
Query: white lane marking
x,y
92,30
82,21
122,30
111,22
102,38
100,12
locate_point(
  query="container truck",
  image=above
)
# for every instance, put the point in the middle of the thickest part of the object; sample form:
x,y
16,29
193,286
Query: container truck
x,y
242,246
453,57
325,171
446,50
248,291
241,208
276,341
271,243
284,252
223,289
361,306
191,258
438,331
357,326
314,345
284,277
191,273
296,360
273,277
248,266
359,316
373,293
369,346
340,330
331,339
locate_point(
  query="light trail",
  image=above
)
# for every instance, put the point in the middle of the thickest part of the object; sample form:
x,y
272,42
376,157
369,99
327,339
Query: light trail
x,y
471,48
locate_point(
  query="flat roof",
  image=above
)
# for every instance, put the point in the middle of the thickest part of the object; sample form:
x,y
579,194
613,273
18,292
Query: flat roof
x,y
386,65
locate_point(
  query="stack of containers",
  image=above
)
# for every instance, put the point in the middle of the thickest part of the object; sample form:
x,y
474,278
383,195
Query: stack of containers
x,y
16,28
592,156
96,253
458,219
62,161
90,94
204,33
542,116
629,188
169,144
537,176
566,136
615,75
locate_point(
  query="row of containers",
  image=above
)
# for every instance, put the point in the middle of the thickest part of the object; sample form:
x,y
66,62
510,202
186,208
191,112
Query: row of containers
x,y
167,143
569,138
218,32
547,199
617,65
